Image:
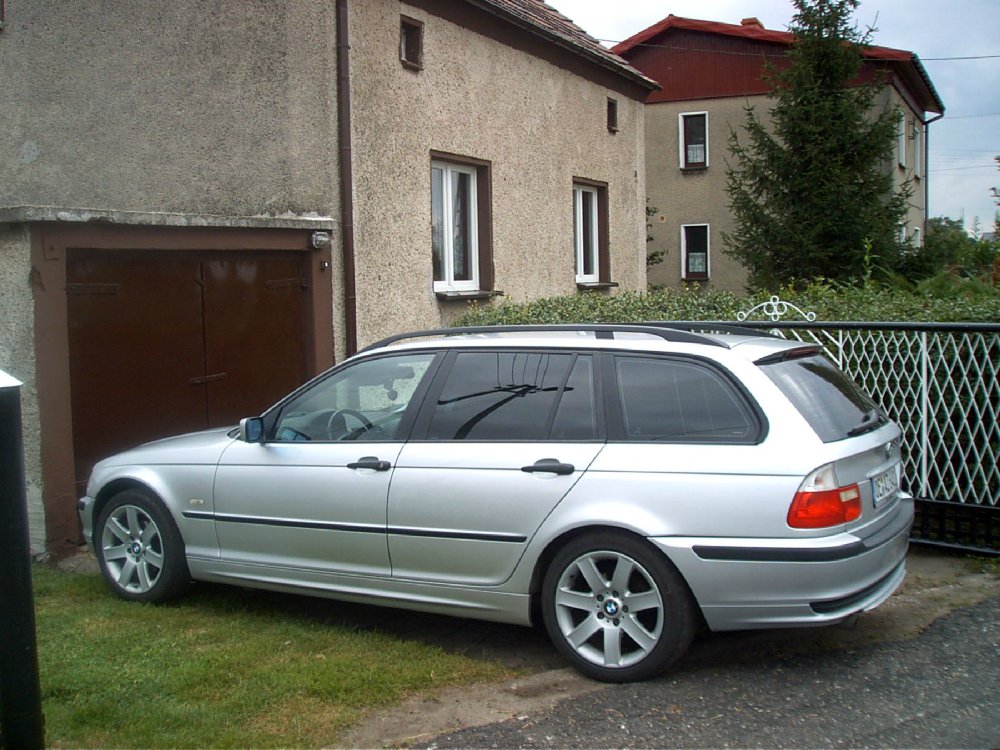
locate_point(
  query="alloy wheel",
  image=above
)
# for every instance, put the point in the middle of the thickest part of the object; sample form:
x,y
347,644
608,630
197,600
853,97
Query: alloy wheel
x,y
609,609
132,548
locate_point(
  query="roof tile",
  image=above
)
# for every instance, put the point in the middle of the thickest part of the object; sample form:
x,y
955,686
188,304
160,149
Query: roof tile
x,y
542,17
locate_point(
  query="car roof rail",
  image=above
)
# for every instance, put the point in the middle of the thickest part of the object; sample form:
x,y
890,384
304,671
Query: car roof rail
x,y
601,330
713,326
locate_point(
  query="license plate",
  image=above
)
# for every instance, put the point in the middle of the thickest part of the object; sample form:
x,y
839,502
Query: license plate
x,y
885,485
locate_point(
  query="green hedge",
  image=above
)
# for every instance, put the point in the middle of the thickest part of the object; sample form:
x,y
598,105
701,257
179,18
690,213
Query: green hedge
x,y
869,303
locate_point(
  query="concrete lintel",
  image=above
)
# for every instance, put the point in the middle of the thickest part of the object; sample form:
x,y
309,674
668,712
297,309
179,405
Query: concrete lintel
x,y
35,214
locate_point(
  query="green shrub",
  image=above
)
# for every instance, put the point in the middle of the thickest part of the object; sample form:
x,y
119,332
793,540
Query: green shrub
x,y
959,303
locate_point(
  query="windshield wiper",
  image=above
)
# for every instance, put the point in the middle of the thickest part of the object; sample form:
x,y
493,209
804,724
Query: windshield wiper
x,y
872,419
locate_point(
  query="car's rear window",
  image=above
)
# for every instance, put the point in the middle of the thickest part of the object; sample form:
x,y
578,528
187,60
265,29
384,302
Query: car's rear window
x,y
833,404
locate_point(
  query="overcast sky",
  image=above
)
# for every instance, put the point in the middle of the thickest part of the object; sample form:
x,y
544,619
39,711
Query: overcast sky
x,y
962,145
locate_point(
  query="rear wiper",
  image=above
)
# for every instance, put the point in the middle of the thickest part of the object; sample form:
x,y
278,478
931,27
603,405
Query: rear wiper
x,y
873,418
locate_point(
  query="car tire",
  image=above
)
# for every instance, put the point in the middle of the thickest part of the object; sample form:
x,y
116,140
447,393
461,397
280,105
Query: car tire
x,y
139,549
617,608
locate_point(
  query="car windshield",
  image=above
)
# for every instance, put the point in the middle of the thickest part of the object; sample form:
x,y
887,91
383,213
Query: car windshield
x,y
833,404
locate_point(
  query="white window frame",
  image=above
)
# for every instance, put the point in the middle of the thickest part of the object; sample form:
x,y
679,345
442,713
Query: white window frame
x,y
682,143
917,148
902,232
901,138
917,237
708,253
449,283
584,197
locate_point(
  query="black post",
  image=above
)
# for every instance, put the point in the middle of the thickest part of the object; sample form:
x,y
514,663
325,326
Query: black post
x,y
21,724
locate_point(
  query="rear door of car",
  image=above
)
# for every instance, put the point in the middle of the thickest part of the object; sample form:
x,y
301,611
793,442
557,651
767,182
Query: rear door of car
x,y
503,436
690,445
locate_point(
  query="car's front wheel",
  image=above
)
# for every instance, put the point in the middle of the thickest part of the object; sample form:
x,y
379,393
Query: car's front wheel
x,y
616,608
139,548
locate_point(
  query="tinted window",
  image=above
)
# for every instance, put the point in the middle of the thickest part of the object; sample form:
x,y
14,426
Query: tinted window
x,y
575,417
515,396
677,401
363,401
833,405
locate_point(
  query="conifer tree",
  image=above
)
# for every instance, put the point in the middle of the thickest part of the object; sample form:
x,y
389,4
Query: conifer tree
x,y
811,192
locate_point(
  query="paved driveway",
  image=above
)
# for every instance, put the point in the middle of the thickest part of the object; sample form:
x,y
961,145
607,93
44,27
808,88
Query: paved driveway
x,y
801,687
941,689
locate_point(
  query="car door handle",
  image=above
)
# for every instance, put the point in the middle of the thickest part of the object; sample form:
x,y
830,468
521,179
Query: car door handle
x,y
552,465
370,462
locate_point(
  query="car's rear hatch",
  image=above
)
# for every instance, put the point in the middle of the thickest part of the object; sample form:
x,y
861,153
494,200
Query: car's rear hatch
x,y
863,443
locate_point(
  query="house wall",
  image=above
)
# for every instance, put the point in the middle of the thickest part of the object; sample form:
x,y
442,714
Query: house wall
x,y
193,107
188,114
17,334
536,123
702,70
700,197
217,116
908,172
693,197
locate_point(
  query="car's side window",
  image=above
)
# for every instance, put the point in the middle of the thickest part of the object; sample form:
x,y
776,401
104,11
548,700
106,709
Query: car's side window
x,y
364,401
506,395
674,400
576,418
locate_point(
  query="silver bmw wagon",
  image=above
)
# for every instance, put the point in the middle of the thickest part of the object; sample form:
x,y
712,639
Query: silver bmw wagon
x,y
623,485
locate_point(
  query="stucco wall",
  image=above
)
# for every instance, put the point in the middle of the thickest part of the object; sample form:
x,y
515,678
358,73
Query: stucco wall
x,y
917,214
221,108
193,106
700,197
537,124
692,197
17,358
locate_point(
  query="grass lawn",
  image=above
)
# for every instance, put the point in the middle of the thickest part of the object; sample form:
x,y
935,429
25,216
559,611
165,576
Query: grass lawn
x,y
223,667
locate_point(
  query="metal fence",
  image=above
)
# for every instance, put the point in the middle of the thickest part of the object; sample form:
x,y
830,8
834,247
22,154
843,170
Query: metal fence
x,y
941,383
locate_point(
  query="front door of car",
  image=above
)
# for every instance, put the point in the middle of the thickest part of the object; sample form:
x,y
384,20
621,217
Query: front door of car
x,y
313,495
502,438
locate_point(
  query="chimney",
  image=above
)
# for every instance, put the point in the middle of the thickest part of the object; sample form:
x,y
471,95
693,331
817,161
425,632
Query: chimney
x,y
752,21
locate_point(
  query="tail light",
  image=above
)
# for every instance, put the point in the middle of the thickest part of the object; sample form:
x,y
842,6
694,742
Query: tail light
x,y
820,502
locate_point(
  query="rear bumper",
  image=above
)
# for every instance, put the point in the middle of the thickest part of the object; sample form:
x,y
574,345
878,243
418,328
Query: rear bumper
x,y
765,583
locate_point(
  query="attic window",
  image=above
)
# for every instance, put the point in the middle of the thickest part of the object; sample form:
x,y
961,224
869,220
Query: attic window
x,y
411,43
612,115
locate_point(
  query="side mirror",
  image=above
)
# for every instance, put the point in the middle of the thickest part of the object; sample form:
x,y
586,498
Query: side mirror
x,y
252,430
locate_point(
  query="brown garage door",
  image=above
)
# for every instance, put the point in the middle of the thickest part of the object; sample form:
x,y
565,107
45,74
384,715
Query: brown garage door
x,y
163,343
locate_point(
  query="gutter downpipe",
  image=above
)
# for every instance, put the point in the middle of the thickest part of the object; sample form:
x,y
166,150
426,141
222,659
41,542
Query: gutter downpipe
x,y
927,183
346,179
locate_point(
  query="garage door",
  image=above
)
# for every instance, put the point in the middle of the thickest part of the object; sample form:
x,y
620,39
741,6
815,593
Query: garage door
x,y
163,343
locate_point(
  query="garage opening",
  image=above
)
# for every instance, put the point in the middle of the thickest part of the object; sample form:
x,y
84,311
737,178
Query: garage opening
x,y
162,343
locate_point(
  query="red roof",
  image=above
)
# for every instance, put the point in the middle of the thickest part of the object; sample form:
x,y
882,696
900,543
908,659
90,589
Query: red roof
x,y
906,64
746,31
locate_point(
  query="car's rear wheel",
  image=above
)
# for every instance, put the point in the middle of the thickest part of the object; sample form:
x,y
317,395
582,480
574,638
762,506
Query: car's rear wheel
x,y
616,608
139,548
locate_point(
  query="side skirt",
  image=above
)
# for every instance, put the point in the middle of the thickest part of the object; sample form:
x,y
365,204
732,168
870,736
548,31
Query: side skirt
x,y
472,602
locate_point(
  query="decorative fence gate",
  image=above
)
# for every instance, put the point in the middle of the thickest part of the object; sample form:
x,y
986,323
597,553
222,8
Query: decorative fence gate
x,y
941,383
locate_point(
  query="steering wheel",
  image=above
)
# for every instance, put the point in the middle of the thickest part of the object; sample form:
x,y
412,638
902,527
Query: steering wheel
x,y
337,422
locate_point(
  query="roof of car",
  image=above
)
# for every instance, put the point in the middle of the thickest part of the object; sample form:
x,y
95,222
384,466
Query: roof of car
x,y
749,343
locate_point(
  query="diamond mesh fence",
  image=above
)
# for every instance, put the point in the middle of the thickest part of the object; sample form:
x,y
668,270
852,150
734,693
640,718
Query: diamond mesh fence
x,y
942,386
